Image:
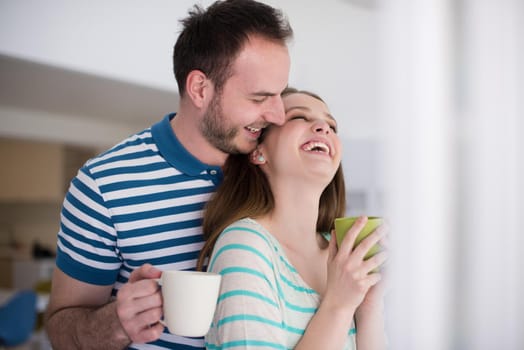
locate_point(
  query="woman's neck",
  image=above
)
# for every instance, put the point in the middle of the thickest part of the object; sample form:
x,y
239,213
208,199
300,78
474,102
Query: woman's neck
x,y
293,223
294,218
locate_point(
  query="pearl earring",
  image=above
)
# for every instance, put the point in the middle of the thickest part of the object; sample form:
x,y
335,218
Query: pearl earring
x,y
261,158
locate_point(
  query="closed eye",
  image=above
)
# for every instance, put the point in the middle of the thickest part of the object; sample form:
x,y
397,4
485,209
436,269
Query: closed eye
x,y
298,117
260,100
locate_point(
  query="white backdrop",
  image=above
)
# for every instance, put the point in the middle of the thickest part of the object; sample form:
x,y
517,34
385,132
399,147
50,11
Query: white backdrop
x,y
452,114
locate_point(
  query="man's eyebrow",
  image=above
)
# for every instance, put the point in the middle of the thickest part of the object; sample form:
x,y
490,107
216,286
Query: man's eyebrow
x,y
264,94
307,109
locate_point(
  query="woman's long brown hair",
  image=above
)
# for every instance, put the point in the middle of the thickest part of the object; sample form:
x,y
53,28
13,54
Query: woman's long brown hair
x,y
245,192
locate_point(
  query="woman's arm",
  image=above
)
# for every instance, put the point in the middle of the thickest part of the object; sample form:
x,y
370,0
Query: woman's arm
x,y
370,320
348,283
370,317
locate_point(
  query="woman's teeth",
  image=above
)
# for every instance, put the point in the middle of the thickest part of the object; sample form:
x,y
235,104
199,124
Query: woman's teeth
x,y
316,146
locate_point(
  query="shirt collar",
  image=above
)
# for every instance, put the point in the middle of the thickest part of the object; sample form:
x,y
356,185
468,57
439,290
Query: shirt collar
x,y
175,153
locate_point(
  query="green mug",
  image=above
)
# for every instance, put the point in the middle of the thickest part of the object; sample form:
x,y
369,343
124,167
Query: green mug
x,y
342,225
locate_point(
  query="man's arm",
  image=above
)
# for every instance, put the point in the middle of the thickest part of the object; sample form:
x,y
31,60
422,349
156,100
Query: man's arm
x,y
82,316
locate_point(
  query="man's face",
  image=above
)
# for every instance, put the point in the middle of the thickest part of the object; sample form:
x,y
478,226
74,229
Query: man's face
x,y
216,129
250,99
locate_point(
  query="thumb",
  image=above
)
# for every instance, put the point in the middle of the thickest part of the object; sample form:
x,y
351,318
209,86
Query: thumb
x,y
146,271
333,249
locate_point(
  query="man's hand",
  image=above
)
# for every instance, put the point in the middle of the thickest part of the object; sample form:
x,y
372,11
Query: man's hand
x,y
139,305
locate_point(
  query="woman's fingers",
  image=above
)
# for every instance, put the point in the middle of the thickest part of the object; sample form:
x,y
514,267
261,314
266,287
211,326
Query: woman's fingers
x,y
349,240
367,243
375,262
373,279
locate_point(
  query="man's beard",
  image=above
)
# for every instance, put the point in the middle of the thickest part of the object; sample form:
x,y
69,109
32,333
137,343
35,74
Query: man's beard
x,y
214,129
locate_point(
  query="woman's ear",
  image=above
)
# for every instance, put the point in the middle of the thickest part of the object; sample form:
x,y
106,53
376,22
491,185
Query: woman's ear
x,y
257,157
198,88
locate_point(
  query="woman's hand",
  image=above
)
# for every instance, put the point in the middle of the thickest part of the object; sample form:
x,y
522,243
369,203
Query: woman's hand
x,y
348,284
349,275
374,299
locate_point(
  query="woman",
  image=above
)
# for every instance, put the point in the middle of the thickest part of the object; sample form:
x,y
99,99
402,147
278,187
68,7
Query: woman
x,y
285,284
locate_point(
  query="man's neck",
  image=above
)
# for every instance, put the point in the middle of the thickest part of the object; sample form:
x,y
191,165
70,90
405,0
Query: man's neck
x,y
188,134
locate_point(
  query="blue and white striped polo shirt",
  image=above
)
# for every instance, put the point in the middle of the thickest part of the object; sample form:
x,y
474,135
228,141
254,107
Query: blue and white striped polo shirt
x,y
263,301
140,202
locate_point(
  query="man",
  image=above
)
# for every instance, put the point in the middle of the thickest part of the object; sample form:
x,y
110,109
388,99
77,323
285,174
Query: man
x,y
136,209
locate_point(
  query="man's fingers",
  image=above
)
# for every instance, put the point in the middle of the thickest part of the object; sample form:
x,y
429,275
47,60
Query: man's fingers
x,y
131,292
145,327
146,271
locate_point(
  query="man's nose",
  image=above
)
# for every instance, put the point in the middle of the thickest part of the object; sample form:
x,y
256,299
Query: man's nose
x,y
275,113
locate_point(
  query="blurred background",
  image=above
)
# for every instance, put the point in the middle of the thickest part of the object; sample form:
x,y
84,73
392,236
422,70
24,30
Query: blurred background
x,y
428,95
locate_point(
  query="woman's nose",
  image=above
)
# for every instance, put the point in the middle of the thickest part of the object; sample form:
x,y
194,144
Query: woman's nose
x,y
321,126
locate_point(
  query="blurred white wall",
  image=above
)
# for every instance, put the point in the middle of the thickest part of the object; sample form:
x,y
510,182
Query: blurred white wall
x,y
452,108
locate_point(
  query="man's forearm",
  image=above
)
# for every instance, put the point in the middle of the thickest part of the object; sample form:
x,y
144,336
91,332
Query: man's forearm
x,y
86,328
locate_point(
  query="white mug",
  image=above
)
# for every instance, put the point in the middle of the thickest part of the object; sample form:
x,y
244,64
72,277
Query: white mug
x,y
190,299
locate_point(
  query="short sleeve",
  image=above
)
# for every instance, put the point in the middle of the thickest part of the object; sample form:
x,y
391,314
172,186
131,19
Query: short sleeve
x,y
86,247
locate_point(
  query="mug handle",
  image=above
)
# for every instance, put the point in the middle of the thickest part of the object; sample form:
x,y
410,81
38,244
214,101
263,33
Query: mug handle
x,y
161,321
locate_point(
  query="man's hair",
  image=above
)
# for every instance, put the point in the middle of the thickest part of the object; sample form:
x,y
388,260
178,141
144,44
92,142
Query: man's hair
x,y
245,192
211,39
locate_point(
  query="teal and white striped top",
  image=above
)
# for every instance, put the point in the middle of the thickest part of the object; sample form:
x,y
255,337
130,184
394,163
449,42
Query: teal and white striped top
x,y
263,302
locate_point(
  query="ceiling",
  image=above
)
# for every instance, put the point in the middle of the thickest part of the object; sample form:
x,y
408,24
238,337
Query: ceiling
x,y
34,86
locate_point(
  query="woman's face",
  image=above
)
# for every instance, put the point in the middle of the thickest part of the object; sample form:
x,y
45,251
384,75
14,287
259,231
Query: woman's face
x,y
307,145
